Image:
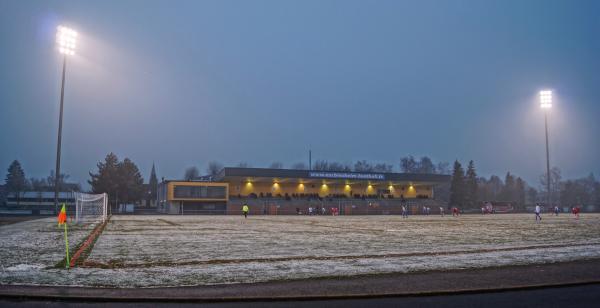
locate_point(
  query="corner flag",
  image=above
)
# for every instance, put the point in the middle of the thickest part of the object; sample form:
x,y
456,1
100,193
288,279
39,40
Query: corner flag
x,y
62,216
62,220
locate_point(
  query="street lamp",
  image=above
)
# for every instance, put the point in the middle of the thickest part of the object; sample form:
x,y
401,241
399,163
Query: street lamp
x,y
546,104
66,39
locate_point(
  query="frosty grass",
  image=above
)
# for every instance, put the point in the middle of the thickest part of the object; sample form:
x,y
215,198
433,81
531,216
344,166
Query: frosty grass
x,y
152,251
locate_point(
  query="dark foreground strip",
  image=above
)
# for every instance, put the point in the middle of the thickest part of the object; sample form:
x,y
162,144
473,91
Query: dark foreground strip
x,y
118,264
133,299
454,282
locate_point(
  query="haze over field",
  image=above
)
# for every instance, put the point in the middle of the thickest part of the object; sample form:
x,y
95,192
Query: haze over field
x,y
181,83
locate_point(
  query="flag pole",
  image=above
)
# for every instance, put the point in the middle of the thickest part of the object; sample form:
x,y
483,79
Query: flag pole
x,y
68,263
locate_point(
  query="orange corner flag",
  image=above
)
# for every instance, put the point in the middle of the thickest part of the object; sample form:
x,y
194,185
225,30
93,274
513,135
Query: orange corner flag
x,y
62,220
62,216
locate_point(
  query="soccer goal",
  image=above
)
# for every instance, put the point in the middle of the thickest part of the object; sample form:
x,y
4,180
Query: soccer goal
x,y
90,207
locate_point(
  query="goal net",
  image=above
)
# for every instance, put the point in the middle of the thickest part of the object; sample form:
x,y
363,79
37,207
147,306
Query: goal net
x,y
90,207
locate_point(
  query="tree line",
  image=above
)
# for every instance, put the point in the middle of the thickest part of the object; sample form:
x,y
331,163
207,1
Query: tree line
x,y
407,164
467,190
122,180
16,182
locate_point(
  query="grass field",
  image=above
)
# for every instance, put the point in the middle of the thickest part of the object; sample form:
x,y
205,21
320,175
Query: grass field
x,y
146,251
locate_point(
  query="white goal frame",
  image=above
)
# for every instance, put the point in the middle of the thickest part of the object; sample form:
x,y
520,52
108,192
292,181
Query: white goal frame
x,y
81,199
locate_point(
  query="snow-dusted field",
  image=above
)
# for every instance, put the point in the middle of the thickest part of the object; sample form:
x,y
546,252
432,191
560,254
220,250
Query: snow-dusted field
x,y
146,251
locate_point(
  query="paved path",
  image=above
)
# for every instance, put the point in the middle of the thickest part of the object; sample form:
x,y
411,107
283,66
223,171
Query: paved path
x,y
574,296
430,283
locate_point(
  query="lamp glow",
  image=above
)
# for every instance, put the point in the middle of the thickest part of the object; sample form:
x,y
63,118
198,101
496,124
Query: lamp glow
x,y
546,99
66,39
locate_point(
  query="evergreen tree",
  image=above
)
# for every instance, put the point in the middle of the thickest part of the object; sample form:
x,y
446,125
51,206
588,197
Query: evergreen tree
x,y
496,187
596,194
471,185
119,179
520,192
508,191
532,195
15,180
130,182
457,186
107,178
153,182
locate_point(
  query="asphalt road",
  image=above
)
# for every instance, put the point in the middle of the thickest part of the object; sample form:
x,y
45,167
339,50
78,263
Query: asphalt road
x,y
573,296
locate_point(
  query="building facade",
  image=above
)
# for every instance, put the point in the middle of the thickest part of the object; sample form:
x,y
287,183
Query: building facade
x,y
282,189
190,197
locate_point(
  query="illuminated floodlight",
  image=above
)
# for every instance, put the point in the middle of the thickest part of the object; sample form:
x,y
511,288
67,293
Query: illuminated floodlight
x,y
66,39
546,99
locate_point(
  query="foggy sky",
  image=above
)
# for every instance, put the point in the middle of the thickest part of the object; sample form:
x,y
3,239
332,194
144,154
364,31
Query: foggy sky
x,y
180,83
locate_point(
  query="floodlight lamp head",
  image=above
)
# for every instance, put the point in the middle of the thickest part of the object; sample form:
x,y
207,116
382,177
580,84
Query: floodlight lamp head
x,y
66,39
546,99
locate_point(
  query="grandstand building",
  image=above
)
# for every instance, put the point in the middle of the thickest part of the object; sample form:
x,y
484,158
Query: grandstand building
x,y
288,191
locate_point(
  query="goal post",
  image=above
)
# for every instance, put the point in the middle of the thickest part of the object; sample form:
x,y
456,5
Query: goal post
x,y
90,207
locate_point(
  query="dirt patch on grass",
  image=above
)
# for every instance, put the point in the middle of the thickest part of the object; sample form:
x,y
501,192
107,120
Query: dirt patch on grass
x,y
8,220
112,264
168,222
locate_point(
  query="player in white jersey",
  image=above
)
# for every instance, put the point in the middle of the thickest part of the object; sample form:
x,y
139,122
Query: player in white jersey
x,y
537,212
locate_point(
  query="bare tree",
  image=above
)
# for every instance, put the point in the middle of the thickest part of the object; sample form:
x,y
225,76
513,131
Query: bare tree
x,y
335,166
276,165
321,165
191,173
363,166
62,180
299,166
214,168
383,168
408,164
425,165
555,178
443,167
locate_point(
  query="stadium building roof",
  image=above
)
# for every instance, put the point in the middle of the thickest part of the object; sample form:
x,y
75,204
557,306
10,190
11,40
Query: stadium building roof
x,y
229,174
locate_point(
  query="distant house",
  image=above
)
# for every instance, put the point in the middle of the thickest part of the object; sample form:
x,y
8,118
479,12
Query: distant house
x,y
38,202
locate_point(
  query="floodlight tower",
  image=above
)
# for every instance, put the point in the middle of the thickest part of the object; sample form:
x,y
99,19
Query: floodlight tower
x,y
546,104
65,38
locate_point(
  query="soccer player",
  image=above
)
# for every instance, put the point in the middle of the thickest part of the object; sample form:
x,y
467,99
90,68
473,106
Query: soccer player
x,y
556,210
404,212
442,211
576,212
454,211
537,212
245,210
